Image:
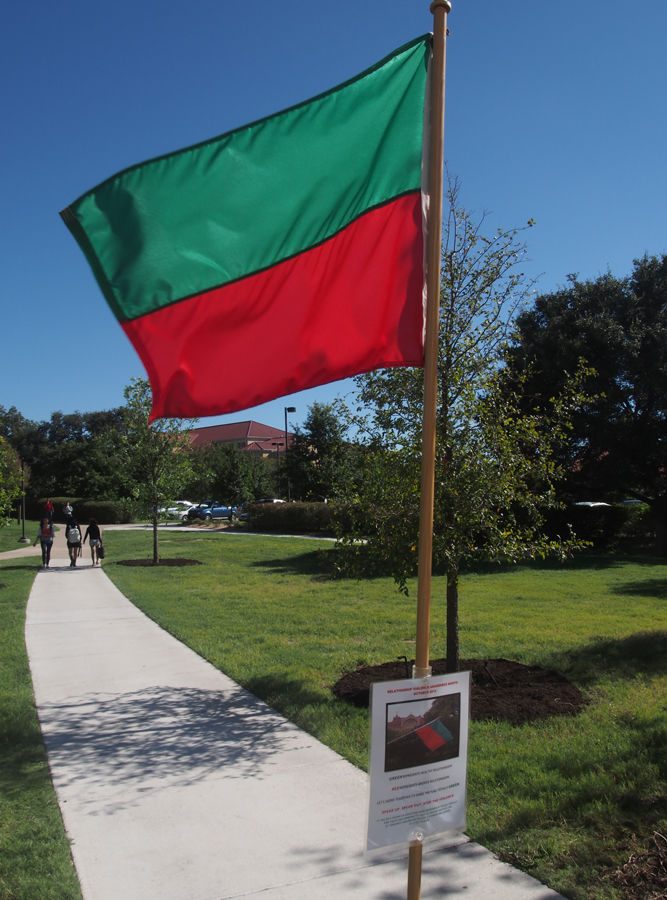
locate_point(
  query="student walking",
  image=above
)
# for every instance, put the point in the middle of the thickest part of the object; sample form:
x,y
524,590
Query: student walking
x,y
95,535
48,509
73,538
45,537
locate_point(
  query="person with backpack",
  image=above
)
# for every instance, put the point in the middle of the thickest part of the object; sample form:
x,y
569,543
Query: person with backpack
x,y
45,537
93,532
73,538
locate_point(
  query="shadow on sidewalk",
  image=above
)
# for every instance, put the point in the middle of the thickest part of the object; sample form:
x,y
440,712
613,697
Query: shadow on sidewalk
x,y
180,735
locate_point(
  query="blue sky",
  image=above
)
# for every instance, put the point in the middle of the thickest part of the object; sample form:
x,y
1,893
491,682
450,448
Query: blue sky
x,y
554,113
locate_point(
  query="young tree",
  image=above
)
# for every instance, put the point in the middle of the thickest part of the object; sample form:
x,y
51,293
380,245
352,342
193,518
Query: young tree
x,y
494,472
618,446
157,455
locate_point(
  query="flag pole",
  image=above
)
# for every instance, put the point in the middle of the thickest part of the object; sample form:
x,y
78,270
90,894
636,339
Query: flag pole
x,y
422,668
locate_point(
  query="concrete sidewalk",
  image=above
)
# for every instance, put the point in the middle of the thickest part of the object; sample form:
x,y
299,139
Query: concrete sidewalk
x,y
174,782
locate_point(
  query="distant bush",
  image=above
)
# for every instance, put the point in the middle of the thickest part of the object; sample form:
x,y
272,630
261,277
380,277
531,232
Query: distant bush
x,y
107,512
34,507
291,518
621,526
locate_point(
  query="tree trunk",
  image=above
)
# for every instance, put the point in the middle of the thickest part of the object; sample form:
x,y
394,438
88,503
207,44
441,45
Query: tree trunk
x,y
156,552
452,621
659,515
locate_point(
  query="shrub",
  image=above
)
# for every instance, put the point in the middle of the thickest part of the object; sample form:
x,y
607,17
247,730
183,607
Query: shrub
x,y
607,527
291,518
34,507
107,512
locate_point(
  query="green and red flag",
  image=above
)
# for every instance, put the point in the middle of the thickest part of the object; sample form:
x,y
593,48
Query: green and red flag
x,y
279,256
434,735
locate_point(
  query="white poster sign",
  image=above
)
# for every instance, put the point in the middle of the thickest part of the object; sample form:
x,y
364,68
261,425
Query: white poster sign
x,y
419,752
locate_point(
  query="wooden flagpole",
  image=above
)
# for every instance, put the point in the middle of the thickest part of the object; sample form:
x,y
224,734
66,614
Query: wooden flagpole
x,y
422,668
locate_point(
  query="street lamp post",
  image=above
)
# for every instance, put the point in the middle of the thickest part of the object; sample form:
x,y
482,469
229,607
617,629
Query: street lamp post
x,y
277,445
288,409
23,539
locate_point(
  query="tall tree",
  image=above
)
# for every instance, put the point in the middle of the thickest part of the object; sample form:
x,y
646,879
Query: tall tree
x,y
69,455
494,473
156,454
28,438
318,462
10,478
226,473
618,446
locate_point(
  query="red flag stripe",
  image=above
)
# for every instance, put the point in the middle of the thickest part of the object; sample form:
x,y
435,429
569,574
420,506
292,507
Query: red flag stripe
x,y
350,305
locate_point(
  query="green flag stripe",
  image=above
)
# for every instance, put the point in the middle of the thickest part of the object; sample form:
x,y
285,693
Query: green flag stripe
x,y
208,215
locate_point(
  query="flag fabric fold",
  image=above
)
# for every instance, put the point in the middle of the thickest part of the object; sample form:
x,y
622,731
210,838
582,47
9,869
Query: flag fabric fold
x,y
282,255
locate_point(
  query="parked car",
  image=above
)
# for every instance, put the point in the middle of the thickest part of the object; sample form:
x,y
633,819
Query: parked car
x,y
591,503
176,510
208,510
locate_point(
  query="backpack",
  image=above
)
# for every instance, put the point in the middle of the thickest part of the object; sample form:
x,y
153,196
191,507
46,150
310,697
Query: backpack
x,y
74,535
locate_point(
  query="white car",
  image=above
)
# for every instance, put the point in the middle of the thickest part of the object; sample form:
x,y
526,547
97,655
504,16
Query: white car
x,y
176,510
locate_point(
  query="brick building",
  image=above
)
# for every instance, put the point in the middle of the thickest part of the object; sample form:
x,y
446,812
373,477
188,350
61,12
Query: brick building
x,y
248,436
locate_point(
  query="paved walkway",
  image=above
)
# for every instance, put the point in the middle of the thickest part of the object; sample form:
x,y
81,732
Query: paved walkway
x,y
174,782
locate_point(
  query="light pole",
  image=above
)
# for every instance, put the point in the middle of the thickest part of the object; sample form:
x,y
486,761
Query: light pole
x,y
288,409
277,445
23,539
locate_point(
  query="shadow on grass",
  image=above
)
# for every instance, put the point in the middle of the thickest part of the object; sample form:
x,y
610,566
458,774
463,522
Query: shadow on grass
x,y
164,563
285,694
328,565
29,567
22,762
644,652
325,563
580,562
318,564
650,587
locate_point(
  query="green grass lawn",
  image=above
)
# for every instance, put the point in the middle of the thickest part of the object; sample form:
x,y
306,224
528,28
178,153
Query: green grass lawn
x,y
10,534
566,799
35,861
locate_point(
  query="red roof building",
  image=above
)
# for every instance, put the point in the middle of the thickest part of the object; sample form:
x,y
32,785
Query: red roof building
x,y
249,436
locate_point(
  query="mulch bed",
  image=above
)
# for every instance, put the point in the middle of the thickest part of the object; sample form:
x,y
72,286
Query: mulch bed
x,y
500,689
644,875
171,561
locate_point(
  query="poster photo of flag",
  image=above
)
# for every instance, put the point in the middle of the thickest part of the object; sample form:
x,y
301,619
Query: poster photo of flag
x,y
418,736
419,755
